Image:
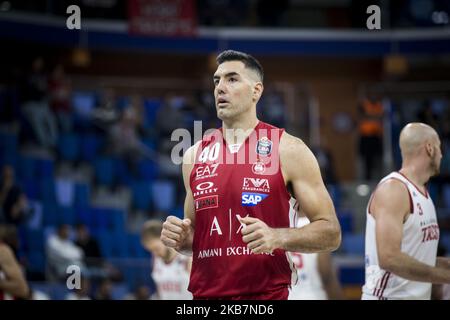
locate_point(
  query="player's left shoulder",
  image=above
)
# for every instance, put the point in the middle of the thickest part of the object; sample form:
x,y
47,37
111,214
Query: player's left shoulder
x,y
293,147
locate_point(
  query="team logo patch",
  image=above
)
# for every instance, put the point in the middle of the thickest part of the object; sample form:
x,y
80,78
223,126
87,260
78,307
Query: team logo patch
x,y
264,146
258,167
252,199
206,203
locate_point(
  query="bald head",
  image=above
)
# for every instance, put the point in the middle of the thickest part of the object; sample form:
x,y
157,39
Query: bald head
x,y
414,136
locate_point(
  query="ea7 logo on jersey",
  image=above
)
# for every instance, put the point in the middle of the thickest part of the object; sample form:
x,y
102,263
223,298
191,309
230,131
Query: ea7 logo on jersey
x,y
252,199
206,171
256,184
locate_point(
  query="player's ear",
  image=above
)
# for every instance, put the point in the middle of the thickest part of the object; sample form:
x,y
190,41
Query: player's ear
x,y
258,89
430,149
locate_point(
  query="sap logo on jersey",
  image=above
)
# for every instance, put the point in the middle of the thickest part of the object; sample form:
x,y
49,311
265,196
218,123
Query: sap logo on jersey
x,y
204,188
252,199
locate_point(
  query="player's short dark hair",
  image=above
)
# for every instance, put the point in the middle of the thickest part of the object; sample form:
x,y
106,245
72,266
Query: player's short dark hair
x,y
151,229
249,61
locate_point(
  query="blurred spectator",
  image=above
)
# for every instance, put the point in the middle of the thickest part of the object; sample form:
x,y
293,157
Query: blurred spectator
x,y
123,136
426,115
104,290
317,276
106,113
14,203
96,266
370,134
35,105
89,246
62,252
170,269
325,161
273,109
170,116
39,295
82,293
141,292
60,94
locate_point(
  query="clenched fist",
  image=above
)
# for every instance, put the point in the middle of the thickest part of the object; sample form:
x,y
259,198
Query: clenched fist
x,y
177,233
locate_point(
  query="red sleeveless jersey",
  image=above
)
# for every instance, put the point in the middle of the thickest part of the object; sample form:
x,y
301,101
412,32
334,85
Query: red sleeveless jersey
x,y
226,186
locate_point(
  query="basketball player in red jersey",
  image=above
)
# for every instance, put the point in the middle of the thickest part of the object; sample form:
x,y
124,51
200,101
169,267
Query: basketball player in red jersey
x,y
12,281
237,224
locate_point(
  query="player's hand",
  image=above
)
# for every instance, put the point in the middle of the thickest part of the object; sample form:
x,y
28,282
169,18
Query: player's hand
x,y
175,232
258,236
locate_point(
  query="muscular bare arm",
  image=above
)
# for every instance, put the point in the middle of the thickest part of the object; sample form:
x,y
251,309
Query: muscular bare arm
x,y
390,207
14,282
300,168
178,233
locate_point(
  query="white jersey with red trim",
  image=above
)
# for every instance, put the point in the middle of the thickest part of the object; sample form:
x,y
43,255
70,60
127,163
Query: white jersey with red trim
x,y
172,279
309,285
420,241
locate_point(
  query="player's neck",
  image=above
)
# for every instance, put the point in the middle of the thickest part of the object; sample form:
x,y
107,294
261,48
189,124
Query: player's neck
x,y
237,130
416,174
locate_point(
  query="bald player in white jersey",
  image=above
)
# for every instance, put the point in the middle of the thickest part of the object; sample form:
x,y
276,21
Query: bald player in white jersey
x,y
171,270
402,232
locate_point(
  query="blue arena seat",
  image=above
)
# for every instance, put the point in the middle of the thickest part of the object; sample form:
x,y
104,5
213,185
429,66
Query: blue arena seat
x,y
82,195
446,195
148,170
35,240
163,195
47,190
141,195
151,106
30,187
69,147
50,214
353,244
45,168
27,167
36,261
444,240
104,171
351,275
90,146
124,177
66,215
346,220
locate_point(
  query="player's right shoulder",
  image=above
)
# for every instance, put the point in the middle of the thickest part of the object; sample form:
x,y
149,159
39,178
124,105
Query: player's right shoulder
x,y
5,252
391,187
